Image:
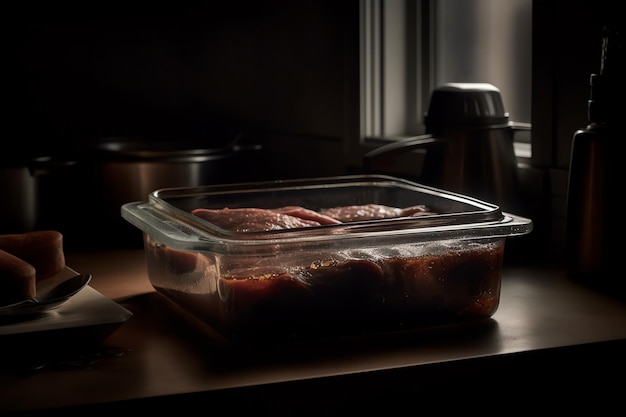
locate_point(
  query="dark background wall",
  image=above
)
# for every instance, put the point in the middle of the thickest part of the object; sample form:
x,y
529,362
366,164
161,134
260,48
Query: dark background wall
x,y
276,68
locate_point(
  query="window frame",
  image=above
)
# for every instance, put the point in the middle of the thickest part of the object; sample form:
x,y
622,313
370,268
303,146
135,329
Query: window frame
x,y
390,35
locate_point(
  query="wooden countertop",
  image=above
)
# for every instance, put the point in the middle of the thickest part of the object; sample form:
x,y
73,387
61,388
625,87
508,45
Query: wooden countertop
x,y
548,332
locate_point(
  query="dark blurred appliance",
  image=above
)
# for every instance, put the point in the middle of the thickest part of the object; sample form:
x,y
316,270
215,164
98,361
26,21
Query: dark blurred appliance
x,y
596,175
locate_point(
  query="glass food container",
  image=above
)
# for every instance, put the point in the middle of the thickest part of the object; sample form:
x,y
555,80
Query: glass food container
x,y
292,260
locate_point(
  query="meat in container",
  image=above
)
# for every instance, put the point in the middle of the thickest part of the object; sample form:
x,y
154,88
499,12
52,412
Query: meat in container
x,y
300,259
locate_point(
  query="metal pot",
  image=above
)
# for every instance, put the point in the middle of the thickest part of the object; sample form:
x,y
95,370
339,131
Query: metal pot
x,y
81,192
129,169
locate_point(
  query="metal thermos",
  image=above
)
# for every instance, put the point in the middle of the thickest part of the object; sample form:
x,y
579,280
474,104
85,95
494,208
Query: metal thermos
x,y
594,211
468,145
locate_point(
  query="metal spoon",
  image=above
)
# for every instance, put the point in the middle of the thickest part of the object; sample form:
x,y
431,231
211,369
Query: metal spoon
x,y
56,296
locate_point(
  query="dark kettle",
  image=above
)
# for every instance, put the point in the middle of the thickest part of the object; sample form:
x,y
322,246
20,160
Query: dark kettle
x,y
468,145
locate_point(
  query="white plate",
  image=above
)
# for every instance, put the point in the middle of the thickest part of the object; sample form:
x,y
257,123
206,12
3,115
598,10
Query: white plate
x,y
87,308
85,318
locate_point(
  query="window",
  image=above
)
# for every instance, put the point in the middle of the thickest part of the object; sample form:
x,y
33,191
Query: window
x,y
411,46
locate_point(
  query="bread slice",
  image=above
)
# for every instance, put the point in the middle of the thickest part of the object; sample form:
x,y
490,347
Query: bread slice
x,y
17,279
43,249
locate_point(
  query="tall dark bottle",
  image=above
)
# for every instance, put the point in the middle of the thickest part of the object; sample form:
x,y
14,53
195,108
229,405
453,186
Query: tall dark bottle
x,y
596,219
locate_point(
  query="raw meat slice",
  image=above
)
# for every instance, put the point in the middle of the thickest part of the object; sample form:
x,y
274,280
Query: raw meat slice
x,y
307,214
289,217
372,212
419,210
251,219
362,212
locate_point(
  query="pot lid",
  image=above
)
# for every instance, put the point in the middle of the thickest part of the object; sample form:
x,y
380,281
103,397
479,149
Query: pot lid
x,y
141,148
